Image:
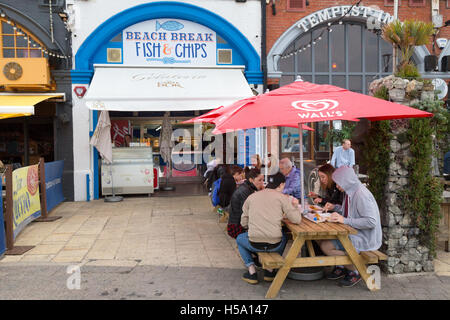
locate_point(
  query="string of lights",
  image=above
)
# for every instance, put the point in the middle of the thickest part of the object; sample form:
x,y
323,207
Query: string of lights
x,y
318,38
32,43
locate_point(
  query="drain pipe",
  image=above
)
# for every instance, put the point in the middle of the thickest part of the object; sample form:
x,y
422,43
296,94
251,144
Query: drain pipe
x,y
263,44
394,51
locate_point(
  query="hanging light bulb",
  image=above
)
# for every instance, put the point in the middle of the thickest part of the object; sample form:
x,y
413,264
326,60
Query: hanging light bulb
x,y
2,14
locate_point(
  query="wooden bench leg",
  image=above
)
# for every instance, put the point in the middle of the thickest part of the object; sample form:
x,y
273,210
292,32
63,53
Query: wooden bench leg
x,y
448,225
357,260
310,248
284,270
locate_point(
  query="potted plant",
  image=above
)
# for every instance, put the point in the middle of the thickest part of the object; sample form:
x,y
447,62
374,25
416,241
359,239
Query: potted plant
x,y
405,36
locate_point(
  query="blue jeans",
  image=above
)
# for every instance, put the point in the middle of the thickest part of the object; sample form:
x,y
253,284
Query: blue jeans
x,y
338,245
245,248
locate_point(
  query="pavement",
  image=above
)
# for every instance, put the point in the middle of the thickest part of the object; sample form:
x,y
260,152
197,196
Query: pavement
x,y
164,248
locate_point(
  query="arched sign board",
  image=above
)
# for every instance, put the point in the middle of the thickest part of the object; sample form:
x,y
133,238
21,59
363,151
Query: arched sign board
x,y
374,18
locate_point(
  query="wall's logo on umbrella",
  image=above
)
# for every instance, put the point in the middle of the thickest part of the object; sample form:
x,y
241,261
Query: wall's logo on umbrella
x,y
315,105
317,108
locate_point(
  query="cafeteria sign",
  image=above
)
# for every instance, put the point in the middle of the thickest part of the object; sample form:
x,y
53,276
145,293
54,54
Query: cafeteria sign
x,y
26,202
168,42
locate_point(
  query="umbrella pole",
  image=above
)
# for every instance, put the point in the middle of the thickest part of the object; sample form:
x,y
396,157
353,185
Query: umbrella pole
x,y
302,189
169,174
112,198
266,156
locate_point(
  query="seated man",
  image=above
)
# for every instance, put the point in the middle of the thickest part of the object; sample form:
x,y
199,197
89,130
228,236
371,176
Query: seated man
x,y
292,175
263,212
360,211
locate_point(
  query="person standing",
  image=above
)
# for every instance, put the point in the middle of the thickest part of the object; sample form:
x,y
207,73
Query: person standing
x,y
126,141
263,212
360,211
343,155
292,174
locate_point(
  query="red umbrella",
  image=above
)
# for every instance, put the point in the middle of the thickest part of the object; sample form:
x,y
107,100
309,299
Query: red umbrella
x,y
302,102
223,112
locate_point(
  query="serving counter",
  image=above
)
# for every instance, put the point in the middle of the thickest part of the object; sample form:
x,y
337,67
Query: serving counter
x,y
133,172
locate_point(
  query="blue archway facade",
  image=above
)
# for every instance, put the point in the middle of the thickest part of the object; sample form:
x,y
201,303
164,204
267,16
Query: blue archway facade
x,y
87,55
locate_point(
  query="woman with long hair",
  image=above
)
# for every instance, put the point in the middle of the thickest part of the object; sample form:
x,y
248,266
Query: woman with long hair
x,y
329,190
255,161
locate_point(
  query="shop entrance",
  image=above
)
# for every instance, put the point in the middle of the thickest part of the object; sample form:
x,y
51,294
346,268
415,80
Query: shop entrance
x,y
144,129
23,140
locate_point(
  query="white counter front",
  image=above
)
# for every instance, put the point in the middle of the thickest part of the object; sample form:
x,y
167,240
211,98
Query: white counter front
x,y
132,171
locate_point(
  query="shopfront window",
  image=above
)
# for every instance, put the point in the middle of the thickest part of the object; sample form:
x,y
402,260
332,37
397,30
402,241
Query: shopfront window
x,y
290,141
320,135
349,57
146,131
17,43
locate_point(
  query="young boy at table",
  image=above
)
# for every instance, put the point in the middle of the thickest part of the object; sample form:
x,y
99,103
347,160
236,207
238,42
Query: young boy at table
x,y
263,212
359,210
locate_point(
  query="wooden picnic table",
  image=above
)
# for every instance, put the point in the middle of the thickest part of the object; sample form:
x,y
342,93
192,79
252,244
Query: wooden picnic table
x,y
307,231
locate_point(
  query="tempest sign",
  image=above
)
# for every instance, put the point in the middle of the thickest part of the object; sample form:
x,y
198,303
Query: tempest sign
x,y
333,13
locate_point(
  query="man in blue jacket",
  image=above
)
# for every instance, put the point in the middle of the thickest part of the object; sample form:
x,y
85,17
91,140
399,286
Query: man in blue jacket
x,y
360,211
343,155
292,174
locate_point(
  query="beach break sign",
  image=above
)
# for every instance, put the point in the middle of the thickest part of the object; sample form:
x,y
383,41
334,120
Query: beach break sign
x,y
169,42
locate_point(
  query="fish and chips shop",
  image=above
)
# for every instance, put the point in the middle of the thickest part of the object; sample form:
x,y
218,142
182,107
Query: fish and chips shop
x,y
155,63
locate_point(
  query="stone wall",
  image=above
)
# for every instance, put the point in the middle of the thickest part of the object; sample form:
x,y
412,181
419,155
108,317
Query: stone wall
x,y
400,236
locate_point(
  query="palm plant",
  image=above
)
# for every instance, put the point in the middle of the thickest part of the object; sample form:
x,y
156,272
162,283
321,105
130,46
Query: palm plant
x,y
405,36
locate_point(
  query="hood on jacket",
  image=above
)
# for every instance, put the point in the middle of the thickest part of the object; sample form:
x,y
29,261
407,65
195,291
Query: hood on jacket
x,y
347,179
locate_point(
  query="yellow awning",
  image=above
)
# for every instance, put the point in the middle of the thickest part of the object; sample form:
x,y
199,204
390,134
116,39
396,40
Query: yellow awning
x,y
14,115
20,105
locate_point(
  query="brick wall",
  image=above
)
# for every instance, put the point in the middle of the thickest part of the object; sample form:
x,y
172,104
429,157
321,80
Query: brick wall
x,y
283,20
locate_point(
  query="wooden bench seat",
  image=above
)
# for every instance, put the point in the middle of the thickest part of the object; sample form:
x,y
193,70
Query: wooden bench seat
x,y
270,260
373,256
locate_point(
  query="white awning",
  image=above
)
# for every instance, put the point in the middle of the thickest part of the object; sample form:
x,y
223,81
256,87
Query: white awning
x,y
135,88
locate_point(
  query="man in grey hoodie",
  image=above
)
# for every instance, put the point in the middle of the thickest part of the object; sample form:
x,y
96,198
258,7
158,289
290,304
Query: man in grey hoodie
x,y
360,211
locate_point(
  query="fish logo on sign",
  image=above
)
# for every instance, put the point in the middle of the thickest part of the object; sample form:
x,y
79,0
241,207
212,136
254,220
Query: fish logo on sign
x,y
169,25
315,105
